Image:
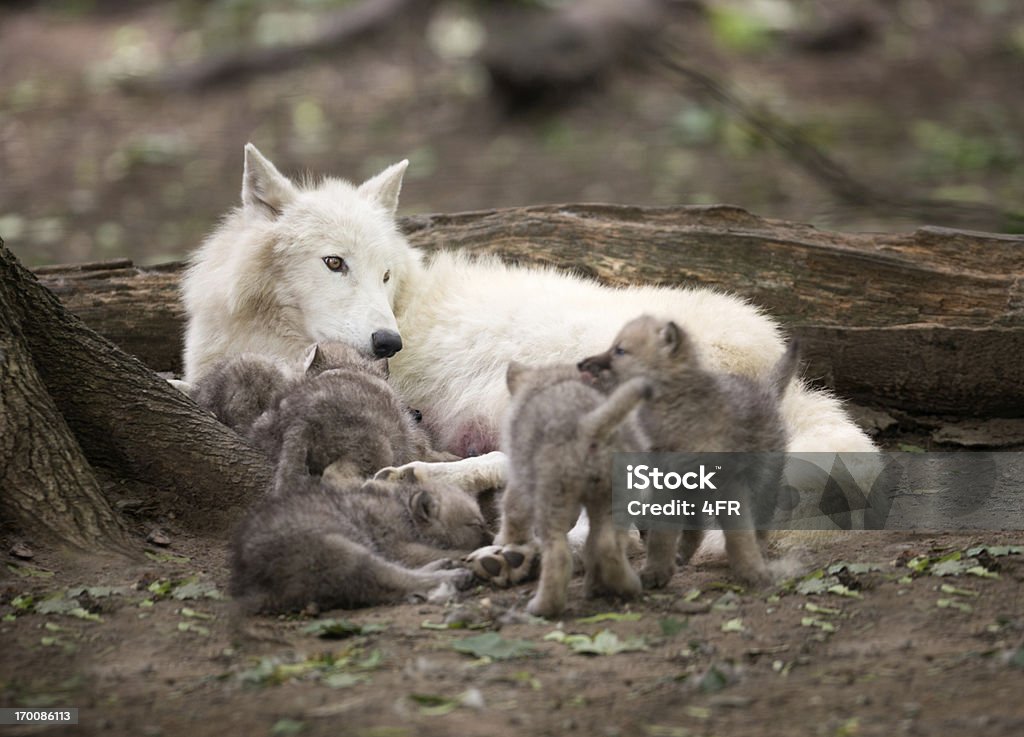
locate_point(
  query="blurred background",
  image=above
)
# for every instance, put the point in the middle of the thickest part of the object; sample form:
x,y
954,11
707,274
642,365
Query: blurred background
x,y
122,122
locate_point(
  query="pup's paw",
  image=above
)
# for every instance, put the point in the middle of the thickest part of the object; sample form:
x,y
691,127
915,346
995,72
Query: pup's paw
x,y
656,577
505,565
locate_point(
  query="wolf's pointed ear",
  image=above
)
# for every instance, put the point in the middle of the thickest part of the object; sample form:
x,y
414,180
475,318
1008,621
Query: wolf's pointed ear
x,y
674,340
384,187
513,375
263,186
314,360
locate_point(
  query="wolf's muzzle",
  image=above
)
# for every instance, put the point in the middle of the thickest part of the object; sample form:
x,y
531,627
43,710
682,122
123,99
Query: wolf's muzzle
x,y
386,343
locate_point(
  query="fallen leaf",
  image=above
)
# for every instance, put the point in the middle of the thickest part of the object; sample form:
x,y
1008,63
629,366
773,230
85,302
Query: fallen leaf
x,y
494,646
610,617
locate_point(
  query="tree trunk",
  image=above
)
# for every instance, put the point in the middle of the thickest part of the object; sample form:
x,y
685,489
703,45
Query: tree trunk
x,y
73,402
928,322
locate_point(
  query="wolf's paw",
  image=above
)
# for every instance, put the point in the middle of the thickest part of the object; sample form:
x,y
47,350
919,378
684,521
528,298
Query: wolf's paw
x,y
505,565
410,472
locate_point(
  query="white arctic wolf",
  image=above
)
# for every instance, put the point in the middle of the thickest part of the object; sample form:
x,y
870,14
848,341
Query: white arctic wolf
x,y
301,263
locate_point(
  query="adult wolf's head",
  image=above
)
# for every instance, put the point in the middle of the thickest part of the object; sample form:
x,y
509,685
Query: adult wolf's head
x,y
306,262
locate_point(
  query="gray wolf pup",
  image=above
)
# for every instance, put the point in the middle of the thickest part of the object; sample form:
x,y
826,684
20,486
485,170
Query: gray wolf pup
x,y
342,414
697,410
560,435
353,545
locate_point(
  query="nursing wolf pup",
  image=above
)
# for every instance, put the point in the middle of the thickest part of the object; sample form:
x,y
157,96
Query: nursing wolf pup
x,y
560,435
355,544
342,414
239,389
301,263
697,410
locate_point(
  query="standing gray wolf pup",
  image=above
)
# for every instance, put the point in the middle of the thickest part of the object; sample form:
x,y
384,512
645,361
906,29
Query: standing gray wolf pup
x,y
697,410
352,545
341,415
560,435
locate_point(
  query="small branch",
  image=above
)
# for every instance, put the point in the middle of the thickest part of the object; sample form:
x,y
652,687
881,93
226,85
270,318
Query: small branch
x,y
829,172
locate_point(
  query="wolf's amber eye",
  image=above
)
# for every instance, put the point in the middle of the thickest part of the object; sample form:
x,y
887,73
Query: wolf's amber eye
x,y
387,276
336,263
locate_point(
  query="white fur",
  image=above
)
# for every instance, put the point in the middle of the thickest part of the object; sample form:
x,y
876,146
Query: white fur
x,y
259,284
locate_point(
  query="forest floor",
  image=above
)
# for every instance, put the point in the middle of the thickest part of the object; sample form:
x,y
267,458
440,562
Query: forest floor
x,y
928,103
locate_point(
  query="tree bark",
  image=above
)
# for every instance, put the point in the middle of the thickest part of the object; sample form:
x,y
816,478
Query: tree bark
x,y
123,418
929,322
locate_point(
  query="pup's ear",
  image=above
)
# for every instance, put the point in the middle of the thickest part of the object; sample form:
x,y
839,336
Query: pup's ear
x,y
514,375
263,186
674,340
423,506
384,187
314,360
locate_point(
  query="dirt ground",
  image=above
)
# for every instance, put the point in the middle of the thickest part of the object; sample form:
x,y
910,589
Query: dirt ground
x,y
896,651
930,104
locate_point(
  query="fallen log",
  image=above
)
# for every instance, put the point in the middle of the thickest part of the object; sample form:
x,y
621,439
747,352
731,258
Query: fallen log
x,y
929,322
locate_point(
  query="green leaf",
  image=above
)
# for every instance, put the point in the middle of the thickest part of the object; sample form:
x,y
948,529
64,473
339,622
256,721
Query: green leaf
x,y
733,625
339,629
996,551
56,604
161,587
494,646
193,589
610,617
692,595
947,589
841,590
604,642
433,705
951,567
194,613
286,728
193,627
815,609
345,680
821,624
670,626
954,604
981,572
428,625
85,614
23,602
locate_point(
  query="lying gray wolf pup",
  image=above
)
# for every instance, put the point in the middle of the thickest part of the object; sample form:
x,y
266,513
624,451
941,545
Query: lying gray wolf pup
x,y
238,390
354,544
560,435
696,410
342,413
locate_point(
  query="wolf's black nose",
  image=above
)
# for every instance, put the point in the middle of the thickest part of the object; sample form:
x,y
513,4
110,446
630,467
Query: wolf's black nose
x,y
386,343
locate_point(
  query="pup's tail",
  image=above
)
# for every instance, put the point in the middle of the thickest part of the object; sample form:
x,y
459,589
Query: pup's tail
x,y
601,422
784,370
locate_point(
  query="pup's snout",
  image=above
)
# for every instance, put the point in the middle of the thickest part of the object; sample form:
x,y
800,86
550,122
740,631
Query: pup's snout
x,y
386,343
595,364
